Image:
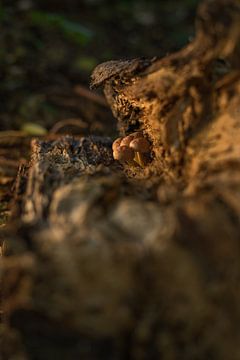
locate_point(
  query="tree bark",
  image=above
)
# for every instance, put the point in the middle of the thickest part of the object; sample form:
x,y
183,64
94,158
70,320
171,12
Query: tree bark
x,y
116,261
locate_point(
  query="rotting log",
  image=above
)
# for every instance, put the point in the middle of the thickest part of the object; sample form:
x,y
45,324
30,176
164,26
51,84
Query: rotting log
x,y
110,261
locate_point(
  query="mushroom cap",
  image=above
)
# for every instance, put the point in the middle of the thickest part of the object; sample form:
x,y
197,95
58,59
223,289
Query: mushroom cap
x,y
123,153
116,143
127,139
140,145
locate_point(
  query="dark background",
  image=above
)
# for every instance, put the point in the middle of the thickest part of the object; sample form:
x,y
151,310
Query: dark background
x,y
49,46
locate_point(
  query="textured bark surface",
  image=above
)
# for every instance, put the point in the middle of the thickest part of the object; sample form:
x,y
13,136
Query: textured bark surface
x,y
111,261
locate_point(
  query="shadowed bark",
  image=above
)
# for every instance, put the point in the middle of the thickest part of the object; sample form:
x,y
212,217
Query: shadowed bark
x,y
116,261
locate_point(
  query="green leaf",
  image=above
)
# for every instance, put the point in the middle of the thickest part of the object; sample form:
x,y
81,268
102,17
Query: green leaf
x,y
86,63
70,29
33,129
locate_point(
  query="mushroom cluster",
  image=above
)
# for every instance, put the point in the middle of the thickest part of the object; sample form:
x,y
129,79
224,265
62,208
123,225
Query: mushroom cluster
x,y
132,149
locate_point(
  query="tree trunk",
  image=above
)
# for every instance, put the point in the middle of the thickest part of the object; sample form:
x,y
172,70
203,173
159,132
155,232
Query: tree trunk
x,y
111,260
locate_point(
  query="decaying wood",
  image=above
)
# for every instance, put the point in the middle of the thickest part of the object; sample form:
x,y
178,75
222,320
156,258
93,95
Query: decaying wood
x,y
110,261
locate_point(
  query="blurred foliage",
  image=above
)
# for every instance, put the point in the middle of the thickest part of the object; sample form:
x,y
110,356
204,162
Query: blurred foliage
x,y
70,29
86,63
33,129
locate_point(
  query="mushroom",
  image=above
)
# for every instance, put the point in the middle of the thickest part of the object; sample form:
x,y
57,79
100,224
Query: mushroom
x,y
140,146
127,139
116,143
131,148
123,153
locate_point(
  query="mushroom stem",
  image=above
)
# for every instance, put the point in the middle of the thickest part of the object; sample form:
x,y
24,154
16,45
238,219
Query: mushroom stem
x,y
138,158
